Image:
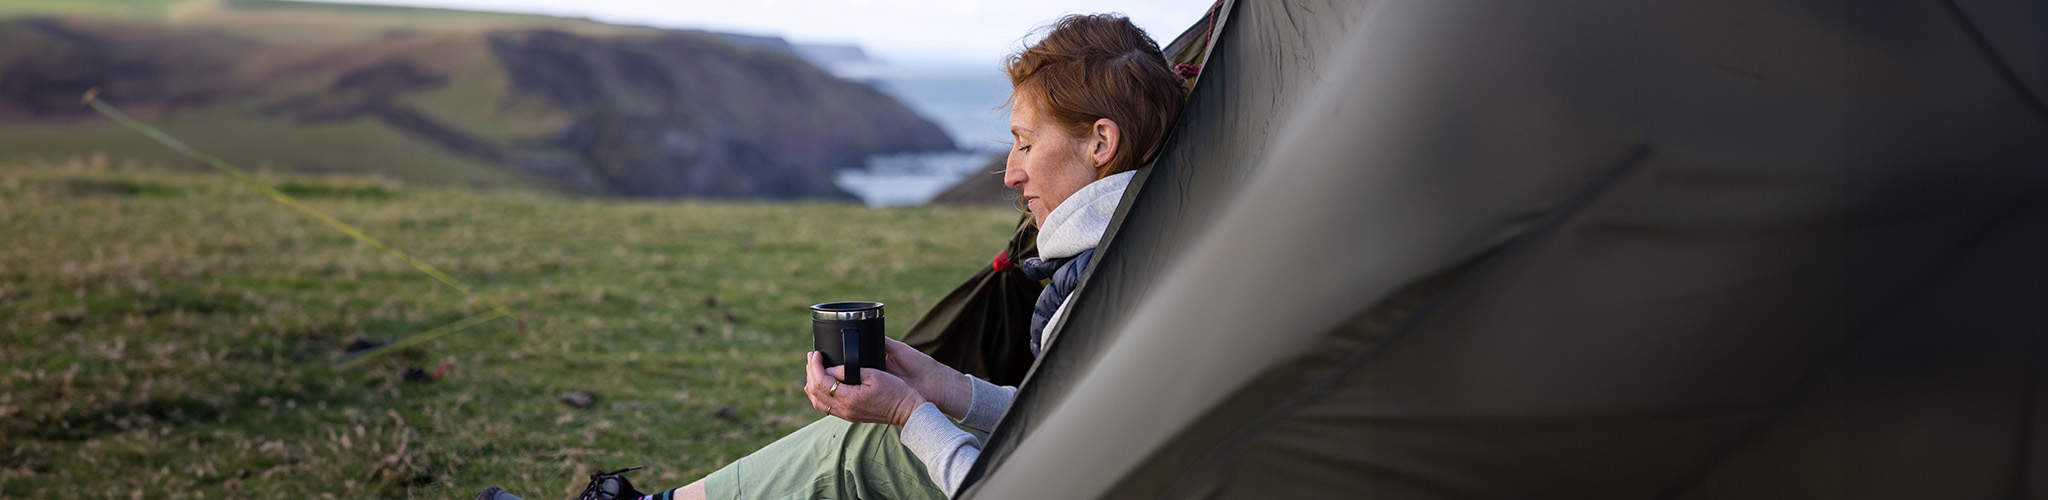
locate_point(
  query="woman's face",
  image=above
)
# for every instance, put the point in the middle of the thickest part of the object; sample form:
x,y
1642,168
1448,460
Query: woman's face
x,y
1046,162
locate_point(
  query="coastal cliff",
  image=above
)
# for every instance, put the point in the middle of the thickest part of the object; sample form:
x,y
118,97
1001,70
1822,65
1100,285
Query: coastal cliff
x,y
481,99
687,114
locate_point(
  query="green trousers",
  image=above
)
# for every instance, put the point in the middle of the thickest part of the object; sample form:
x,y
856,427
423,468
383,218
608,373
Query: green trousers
x,y
830,458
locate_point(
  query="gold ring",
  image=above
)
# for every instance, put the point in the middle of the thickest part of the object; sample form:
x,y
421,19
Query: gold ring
x,y
834,391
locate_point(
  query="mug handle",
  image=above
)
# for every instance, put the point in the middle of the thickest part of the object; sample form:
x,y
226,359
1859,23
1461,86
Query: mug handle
x,y
850,342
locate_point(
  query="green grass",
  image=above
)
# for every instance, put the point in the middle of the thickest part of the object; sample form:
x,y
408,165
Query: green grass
x,y
109,8
172,335
361,146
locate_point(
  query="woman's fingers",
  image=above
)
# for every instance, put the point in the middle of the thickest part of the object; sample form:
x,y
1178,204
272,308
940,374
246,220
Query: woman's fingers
x,y
816,369
910,356
815,379
882,397
896,354
823,387
817,384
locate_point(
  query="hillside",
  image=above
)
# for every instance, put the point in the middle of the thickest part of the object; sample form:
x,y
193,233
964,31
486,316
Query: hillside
x,y
981,189
442,96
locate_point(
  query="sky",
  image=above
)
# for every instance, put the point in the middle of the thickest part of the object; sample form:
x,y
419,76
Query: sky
x,y
971,32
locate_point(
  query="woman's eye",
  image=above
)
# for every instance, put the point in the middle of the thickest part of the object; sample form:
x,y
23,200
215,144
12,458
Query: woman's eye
x,y
1023,148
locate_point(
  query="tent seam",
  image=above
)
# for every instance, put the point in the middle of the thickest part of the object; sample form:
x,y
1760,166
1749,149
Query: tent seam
x,y
1997,61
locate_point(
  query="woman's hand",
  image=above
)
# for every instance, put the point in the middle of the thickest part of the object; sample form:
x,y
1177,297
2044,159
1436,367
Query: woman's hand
x,y
940,384
880,398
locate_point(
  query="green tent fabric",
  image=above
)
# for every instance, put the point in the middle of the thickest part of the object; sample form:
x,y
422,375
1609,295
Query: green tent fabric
x,y
1578,249
983,327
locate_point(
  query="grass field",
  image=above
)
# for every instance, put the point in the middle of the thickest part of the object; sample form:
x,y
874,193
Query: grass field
x,y
359,147
173,335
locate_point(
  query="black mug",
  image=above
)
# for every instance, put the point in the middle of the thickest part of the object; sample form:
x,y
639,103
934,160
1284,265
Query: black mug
x,y
848,333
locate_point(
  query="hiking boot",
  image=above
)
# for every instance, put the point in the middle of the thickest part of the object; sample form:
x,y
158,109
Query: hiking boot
x,y
495,493
611,486
603,486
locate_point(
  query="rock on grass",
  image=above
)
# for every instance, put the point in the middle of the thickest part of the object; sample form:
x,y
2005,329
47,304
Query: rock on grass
x,y
579,399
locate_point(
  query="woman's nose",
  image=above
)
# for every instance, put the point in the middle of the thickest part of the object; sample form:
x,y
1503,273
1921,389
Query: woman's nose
x,y
1013,176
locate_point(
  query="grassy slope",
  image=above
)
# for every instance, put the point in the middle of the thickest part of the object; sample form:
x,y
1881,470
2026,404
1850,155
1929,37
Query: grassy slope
x,y
172,333
357,147
110,8
351,16
314,42
478,99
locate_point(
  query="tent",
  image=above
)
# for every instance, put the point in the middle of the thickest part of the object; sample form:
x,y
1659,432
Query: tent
x,y
1576,249
983,327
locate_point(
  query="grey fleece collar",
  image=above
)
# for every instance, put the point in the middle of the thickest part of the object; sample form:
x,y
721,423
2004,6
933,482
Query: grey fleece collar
x,y
1078,223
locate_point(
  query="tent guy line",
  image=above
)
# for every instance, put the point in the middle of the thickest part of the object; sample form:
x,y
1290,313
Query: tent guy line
x,y
498,309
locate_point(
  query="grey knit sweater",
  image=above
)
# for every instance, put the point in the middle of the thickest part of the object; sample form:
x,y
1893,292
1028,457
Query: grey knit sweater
x,y
1076,225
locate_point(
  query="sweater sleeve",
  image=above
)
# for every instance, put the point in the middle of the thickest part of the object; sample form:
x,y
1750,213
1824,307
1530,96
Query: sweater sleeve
x,y
947,451
989,403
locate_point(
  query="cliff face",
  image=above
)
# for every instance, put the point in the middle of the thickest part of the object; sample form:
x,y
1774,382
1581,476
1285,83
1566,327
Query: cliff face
x,y
981,188
687,114
629,112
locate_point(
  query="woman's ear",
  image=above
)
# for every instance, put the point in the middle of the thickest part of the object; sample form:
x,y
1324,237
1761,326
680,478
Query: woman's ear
x,y
1106,137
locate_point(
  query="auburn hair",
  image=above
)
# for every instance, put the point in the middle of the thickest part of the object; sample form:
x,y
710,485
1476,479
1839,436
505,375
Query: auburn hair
x,y
1097,66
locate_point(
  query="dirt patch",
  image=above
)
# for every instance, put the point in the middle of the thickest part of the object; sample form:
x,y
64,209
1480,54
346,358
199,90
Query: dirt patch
x,y
311,190
117,187
88,423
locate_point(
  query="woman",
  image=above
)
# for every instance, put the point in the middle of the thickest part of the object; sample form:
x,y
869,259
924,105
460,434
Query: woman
x,y
1089,103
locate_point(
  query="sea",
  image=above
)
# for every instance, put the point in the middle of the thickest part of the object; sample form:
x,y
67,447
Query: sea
x,y
966,101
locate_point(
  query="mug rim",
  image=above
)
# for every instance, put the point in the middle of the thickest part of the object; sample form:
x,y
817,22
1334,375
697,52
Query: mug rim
x,y
847,310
